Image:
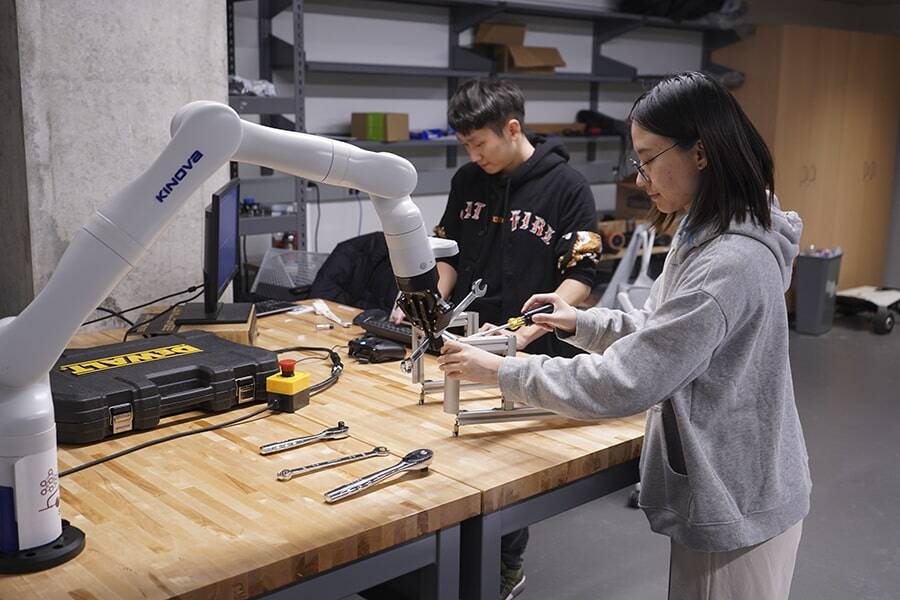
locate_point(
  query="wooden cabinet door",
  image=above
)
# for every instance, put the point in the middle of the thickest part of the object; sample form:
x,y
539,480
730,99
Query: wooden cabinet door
x,y
867,151
885,54
797,86
826,109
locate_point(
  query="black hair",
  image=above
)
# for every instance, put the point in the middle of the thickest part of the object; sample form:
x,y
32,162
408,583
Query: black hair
x,y
735,185
485,102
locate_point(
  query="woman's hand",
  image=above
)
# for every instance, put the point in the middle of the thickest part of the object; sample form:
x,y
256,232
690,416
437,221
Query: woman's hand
x,y
462,361
562,317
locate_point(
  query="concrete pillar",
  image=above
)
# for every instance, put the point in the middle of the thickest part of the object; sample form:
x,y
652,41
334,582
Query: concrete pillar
x,y
88,89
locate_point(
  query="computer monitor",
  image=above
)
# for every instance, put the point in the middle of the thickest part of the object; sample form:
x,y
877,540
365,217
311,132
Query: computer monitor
x,y
221,261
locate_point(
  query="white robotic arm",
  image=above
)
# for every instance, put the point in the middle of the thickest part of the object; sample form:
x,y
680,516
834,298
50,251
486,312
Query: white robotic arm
x,y
205,136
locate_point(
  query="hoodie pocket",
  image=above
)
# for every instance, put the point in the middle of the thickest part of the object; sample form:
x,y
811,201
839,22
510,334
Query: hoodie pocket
x,y
661,486
713,504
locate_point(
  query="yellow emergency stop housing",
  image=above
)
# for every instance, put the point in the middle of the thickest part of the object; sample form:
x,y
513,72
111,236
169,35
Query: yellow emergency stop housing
x,y
288,394
279,384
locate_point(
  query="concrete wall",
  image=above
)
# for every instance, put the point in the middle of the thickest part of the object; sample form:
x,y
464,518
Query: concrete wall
x,y
100,82
16,281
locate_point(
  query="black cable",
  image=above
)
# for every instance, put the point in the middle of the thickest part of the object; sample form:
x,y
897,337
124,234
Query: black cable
x,y
360,211
119,314
245,285
318,216
131,329
167,438
111,314
337,366
336,369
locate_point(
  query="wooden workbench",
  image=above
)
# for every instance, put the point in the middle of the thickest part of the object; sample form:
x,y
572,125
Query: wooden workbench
x,y
204,517
508,462
526,470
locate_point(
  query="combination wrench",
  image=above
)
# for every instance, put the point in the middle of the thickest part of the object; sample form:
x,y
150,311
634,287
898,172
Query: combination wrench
x,y
416,460
332,433
288,474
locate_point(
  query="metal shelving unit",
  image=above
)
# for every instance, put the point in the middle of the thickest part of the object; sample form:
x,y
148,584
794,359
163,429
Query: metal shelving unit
x,y
463,63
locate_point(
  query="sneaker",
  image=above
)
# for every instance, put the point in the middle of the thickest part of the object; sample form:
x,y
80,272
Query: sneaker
x,y
512,582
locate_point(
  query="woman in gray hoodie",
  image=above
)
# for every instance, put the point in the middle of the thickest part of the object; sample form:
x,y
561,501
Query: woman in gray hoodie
x,y
724,468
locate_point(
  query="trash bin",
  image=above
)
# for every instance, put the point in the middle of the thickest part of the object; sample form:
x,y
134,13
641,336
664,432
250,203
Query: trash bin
x,y
816,277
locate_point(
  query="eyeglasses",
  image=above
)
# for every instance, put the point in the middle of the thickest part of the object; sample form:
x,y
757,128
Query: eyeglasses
x,y
640,166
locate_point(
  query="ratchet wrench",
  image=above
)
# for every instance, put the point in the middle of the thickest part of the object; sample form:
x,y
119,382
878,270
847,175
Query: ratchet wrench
x,y
332,433
288,474
416,460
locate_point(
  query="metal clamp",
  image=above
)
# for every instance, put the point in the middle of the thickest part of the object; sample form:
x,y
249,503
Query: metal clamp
x,y
121,418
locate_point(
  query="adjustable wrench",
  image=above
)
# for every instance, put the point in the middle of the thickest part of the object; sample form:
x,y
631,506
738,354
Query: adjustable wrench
x,y
332,433
288,474
414,461
478,290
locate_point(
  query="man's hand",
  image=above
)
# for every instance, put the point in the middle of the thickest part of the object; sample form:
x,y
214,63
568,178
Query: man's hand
x,y
563,315
523,337
462,361
397,315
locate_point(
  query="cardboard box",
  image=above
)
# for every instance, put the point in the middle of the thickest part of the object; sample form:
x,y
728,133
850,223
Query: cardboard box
x,y
239,333
379,126
555,128
528,59
512,54
501,34
631,201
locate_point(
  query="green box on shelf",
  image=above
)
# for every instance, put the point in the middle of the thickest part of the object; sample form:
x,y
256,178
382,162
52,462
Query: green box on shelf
x,y
379,126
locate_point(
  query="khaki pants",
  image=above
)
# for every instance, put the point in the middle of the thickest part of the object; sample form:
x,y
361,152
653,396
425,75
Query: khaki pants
x,y
761,572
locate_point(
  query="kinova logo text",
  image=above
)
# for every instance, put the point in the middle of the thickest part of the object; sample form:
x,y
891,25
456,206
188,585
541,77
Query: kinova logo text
x,y
180,174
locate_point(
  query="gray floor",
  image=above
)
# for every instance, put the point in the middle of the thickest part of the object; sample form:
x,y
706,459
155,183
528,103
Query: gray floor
x,y
847,385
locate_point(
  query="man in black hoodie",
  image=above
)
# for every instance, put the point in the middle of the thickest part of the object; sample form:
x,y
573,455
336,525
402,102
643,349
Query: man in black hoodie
x,y
525,223
516,211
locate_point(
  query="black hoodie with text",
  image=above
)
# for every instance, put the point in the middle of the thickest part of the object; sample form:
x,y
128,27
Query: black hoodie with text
x,y
517,232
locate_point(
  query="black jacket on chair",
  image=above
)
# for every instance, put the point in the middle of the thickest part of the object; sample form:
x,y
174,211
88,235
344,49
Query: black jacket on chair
x,y
358,273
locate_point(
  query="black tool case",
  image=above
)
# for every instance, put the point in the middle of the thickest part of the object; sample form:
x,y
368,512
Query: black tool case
x,y
107,390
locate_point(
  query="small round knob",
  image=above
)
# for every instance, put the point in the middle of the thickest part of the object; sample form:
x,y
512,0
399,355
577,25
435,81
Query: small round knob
x,y
287,366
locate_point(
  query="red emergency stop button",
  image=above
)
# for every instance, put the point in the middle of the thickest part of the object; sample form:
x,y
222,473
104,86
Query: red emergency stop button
x,y
287,366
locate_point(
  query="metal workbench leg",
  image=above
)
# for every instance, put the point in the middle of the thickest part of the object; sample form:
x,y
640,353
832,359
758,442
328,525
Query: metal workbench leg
x,y
440,581
480,557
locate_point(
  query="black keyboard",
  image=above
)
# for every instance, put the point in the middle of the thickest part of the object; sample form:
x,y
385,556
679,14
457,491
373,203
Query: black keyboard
x,y
270,307
377,322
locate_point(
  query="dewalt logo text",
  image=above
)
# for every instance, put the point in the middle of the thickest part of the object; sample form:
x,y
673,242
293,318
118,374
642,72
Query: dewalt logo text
x,y
124,360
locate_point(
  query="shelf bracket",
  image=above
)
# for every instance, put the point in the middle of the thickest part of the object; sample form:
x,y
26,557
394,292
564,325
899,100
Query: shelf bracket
x,y
712,41
469,15
273,7
604,31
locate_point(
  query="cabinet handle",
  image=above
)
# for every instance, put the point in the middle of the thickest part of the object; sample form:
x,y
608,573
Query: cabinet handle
x,y
813,167
805,175
868,170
